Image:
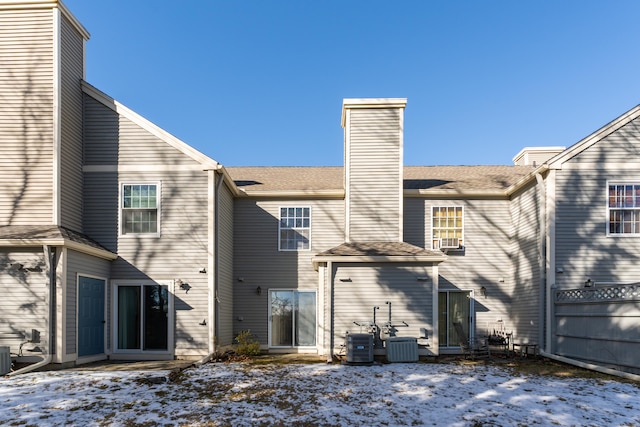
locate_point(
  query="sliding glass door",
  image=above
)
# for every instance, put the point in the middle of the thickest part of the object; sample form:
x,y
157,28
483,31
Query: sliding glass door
x,y
292,318
142,317
453,306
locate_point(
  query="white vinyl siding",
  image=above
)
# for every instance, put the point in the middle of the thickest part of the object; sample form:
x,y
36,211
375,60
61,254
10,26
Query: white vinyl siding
x,y
140,213
295,229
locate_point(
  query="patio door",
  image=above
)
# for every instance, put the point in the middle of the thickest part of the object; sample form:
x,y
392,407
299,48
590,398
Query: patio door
x,y
292,317
453,306
143,313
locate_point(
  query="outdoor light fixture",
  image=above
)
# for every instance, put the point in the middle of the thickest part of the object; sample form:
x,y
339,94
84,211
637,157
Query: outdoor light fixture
x,y
483,291
589,283
204,270
259,290
182,285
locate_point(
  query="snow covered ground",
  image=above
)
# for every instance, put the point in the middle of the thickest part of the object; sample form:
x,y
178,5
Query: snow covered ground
x,y
240,394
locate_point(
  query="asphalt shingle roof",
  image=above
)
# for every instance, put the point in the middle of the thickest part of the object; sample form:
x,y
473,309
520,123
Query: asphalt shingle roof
x,y
457,178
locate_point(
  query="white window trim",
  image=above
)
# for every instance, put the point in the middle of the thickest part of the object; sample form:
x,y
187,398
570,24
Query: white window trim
x,y
431,225
114,316
608,209
280,229
158,185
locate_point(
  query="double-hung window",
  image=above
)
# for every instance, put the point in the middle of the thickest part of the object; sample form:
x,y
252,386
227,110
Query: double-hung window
x,y
624,209
295,228
140,207
447,227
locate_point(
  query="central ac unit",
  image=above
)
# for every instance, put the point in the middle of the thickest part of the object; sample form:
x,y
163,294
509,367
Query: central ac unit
x,y
5,360
450,243
359,348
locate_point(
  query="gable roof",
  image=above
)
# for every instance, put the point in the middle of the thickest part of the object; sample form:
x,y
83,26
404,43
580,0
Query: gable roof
x,y
577,148
107,101
418,180
51,235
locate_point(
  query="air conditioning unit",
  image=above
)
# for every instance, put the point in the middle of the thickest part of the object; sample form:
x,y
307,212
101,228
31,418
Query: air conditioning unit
x,y
359,348
5,360
402,349
450,243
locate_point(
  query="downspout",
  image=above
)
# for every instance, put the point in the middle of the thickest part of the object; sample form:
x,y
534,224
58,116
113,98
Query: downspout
x,y
542,212
329,319
216,256
50,258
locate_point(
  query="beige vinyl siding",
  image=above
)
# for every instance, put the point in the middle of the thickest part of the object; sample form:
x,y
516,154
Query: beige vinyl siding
x,y
225,259
85,265
25,295
101,208
101,133
486,259
181,251
375,174
372,285
258,261
26,117
72,63
525,312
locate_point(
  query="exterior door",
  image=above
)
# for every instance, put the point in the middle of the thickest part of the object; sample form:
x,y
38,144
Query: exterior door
x,y
91,316
142,315
453,306
292,318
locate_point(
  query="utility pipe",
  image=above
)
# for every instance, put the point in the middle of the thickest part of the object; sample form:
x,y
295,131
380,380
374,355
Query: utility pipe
x,y
544,296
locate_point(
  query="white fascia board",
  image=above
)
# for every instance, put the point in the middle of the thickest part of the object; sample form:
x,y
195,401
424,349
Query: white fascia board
x,y
292,194
456,194
107,101
349,103
79,247
46,4
378,259
525,150
557,161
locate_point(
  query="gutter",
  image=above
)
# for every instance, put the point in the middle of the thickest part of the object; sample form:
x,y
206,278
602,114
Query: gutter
x,y
50,256
591,366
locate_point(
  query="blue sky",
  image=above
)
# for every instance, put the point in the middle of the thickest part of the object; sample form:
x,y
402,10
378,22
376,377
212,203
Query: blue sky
x,y
261,83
